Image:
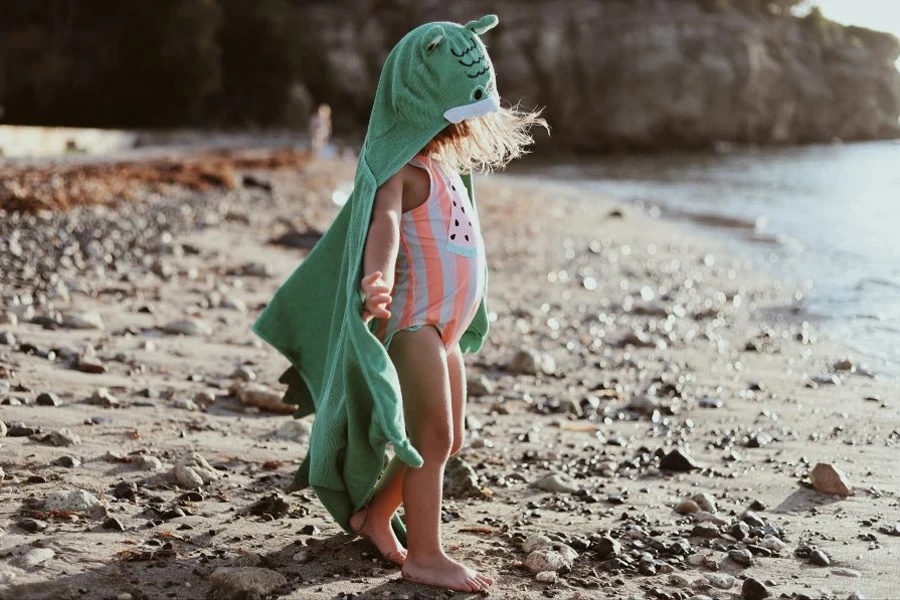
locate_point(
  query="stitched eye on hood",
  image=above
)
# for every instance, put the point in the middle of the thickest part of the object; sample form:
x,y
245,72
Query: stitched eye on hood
x,y
478,93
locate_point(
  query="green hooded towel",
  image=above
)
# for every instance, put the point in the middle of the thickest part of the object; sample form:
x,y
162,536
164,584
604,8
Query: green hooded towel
x,y
439,73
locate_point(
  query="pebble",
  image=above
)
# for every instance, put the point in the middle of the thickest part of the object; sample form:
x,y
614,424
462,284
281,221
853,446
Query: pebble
x,y
185,404
720,581
79,501
706,502
535,541
478,385
32,525
297,430
553,482
460,479
819,558
687,507
33,558
61,437
148,463
679,461
204,399
244,374
546,559
193,472
245,582
83,320
7,338
705,530
48,399
741,557
114,524
707,517
2,429
69,462
91,366
606,547
187,327
845,572
828,479
546,577
102,397
8,317
525,362
754,590
770,542
679,580
260,396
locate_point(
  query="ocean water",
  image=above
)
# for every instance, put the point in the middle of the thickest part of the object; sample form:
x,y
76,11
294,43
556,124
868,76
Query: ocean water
x,y
826,217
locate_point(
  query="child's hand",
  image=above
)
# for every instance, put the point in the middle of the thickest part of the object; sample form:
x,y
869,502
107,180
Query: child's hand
x,y
378,297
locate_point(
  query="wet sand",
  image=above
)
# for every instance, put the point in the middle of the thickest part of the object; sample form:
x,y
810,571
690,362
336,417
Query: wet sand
x,y
644,339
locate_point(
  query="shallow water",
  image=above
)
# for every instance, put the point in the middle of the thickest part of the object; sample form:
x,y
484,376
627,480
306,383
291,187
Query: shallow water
x,y
827,216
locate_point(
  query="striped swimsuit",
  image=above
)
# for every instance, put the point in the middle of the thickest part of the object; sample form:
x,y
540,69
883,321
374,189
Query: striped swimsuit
x,y
440,272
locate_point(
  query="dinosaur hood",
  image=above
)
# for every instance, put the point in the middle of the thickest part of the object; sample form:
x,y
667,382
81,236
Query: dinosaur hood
x,y
439,73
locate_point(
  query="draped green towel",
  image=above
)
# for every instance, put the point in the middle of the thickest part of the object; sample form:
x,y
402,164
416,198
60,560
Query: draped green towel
x,y
437,74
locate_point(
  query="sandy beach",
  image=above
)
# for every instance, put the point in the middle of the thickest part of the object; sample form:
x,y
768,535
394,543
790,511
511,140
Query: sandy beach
x,y
630,367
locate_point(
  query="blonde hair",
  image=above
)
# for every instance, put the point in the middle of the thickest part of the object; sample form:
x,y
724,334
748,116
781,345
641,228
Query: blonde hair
x,y
486,143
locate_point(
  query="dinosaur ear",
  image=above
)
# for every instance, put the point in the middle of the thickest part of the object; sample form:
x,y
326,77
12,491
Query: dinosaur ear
x,y
485,23
433,38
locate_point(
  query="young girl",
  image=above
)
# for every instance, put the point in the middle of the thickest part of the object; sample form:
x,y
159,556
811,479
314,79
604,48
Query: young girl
x,y
424,279
376,317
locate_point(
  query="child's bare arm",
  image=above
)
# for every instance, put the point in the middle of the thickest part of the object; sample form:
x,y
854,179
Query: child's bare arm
x,y
382,246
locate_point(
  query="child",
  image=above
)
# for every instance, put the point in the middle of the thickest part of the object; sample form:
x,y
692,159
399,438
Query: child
x,y
389,344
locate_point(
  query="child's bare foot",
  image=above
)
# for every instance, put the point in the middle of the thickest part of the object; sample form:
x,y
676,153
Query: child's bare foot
x,y
381,534
443,572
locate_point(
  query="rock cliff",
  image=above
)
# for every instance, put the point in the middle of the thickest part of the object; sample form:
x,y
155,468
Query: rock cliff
x,y
637,74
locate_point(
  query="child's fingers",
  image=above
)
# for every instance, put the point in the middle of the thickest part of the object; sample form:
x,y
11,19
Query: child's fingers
x,y
371,278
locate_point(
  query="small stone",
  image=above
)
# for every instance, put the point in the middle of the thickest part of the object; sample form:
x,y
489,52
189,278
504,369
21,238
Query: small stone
x,y
525,362
244,374
309,530
752,519
260,396
83,320
297,430
61,437
819,558
3,429
606,547
546,577
845,572
546,559
48,399
553,482
92,366
78,501
187,478
705,530
185,404
720,581
125,490
770,542
33,558
148,463
204,399
478,385
187,327
69,462
8,317
828,479
741,557
856,596
32,525
680,580
754,590
102,397
7,338
460,479
273,505
678,461
705,517
534,542
686,507
114,524
22,430
739,530
706,502
245,582
124,596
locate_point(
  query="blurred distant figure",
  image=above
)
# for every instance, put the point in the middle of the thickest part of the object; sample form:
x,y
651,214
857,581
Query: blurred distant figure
x,y
320,132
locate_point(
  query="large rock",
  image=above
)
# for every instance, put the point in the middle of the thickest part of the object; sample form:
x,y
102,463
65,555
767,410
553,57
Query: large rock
x,y
245,583
638,74
77,501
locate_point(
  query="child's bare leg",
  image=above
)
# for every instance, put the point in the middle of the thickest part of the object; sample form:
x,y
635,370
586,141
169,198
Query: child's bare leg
x,y
422,366
456,369
374,521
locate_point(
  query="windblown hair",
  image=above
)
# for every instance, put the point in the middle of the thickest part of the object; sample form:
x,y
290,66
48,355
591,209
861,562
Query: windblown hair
x,y
486,143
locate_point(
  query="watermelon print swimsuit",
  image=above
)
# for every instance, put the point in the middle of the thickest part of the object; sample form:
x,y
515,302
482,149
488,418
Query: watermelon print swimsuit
x,y
441,267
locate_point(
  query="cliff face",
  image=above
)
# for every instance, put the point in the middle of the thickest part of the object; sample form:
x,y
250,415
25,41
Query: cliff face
x,y
637,74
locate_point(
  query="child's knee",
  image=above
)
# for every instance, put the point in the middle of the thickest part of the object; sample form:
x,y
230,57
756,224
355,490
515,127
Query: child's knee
x,y
437,443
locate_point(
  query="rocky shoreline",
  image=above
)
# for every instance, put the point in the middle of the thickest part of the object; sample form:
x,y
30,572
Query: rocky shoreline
x,y
646,420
